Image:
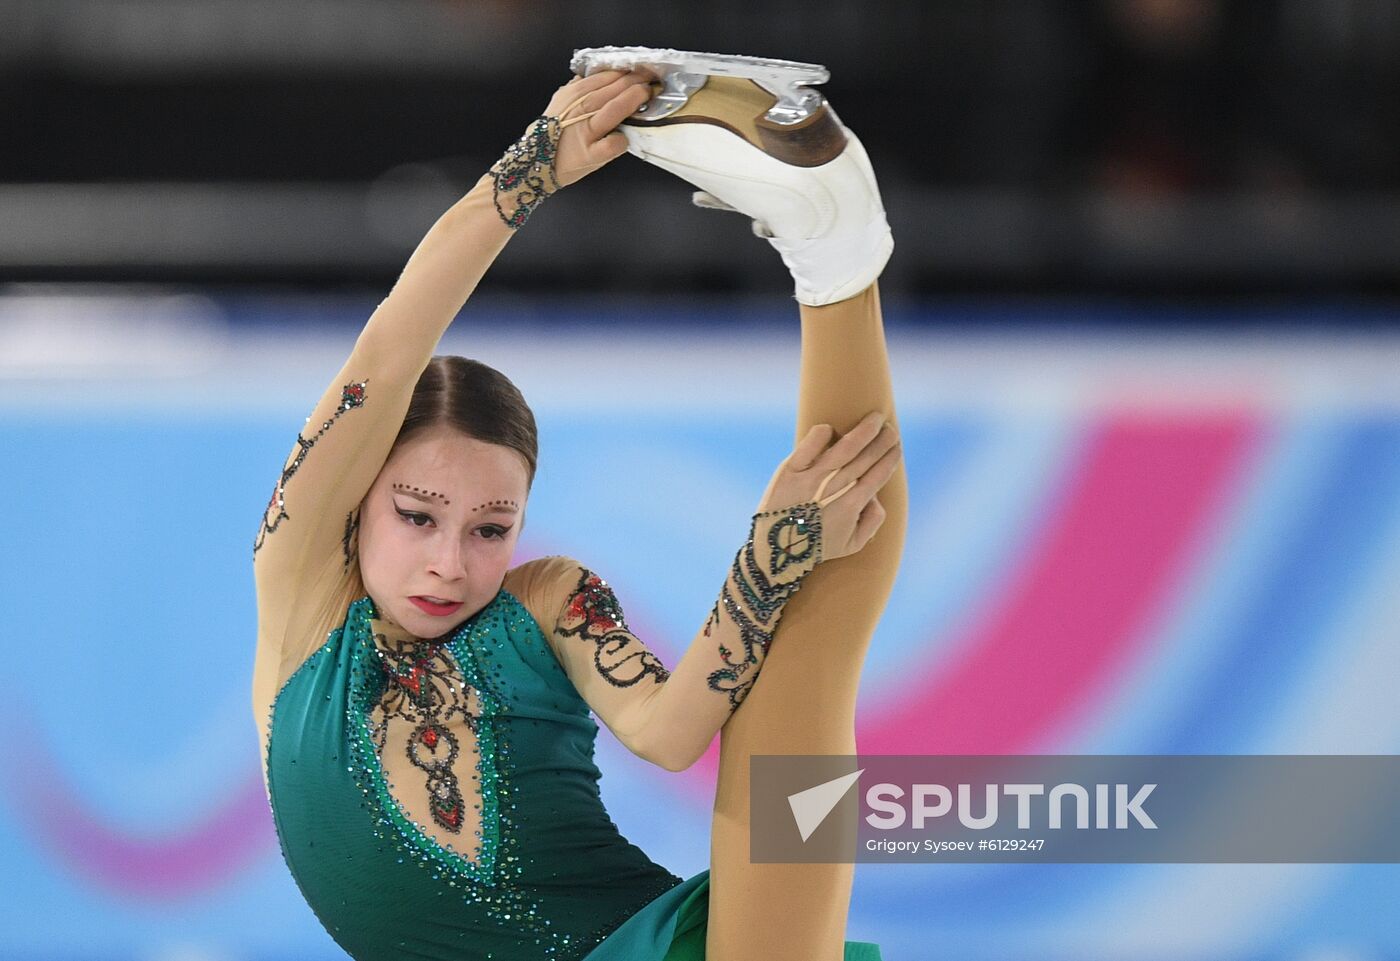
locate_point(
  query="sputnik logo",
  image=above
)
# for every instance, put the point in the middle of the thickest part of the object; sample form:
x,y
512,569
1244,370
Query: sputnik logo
x,y
810,807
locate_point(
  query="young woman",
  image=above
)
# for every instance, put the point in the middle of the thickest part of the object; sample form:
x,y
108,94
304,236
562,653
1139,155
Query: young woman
x,y
424,705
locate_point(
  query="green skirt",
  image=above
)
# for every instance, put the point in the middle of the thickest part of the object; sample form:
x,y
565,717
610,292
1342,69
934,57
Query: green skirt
x,y
672,927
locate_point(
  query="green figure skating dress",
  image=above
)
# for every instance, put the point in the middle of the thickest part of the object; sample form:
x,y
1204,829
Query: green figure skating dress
x,y
554,879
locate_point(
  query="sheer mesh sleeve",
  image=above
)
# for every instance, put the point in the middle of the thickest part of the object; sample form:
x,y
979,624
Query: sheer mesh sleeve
x,y
615,673
304,546
670,717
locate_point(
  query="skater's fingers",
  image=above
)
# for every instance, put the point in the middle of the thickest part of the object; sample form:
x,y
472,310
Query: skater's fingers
x,y
611,147
597,97
585,88
867,460
886,438
810,446
868,523
622,105
849,446
880,472
594,81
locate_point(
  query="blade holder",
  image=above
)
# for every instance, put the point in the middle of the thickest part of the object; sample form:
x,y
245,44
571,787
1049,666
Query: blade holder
x,y
682,72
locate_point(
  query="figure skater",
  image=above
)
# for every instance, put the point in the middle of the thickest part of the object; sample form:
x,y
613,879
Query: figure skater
x,y
423,706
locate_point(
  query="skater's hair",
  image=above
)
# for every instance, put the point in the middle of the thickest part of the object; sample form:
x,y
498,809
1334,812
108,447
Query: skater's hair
x,y
476,400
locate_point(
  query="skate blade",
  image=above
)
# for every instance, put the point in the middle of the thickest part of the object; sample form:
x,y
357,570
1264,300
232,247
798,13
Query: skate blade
x,y
682,72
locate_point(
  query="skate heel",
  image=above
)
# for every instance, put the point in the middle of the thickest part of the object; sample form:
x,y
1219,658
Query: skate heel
x,y
742,107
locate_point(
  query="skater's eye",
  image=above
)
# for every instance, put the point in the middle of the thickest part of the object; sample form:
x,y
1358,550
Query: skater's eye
x,y
412,517
492,532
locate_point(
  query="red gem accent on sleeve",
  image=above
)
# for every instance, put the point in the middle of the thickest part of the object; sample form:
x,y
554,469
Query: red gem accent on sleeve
x,y
353,395
590,604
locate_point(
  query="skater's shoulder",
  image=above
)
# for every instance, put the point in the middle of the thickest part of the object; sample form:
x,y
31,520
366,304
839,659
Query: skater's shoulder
x,y
546,584
540,569
542,584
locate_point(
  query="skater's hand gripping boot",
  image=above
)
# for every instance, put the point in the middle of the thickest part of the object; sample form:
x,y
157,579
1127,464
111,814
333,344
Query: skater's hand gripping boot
x,y
576,134
755,139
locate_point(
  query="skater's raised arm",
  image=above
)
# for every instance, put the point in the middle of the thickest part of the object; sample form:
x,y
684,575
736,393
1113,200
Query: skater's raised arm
x,y
670,717
340,451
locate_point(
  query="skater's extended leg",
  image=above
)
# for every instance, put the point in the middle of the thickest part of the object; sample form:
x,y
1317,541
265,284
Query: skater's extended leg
x,y
756,140
805,701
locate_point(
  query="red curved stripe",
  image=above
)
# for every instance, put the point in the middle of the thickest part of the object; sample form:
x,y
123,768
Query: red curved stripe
x,y
230,833
1135,513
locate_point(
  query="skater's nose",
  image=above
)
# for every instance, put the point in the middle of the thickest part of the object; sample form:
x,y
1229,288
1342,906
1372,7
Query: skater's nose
x,y
448,559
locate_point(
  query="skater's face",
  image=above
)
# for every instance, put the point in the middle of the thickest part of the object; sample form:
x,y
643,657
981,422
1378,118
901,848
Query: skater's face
x,y
440,523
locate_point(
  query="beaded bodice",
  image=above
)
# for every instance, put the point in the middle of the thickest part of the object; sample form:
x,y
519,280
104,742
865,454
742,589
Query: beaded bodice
x,y
440,799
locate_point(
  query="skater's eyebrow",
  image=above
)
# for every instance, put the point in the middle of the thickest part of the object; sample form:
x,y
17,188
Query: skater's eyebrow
x,y
427,496
497,507
419,493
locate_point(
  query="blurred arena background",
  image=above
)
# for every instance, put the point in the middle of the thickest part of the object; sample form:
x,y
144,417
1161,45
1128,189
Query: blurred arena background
x,y
1143,318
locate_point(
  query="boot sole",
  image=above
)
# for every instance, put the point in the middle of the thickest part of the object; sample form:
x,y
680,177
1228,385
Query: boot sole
x,y
740,106
722,89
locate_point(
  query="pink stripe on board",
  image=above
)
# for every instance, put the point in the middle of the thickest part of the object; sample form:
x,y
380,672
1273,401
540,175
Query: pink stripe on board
x,y
1073,611
225,834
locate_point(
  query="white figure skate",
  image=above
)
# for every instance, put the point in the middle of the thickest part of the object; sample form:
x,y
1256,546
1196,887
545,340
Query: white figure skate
x,y
755,139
